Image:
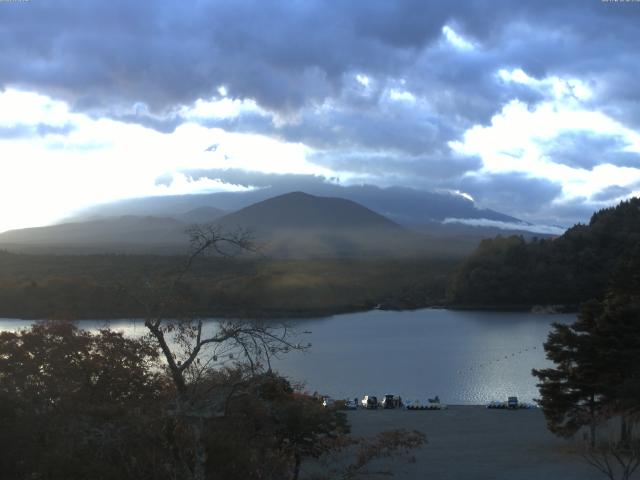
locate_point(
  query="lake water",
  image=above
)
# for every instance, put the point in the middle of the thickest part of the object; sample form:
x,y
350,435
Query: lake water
x,y
464,357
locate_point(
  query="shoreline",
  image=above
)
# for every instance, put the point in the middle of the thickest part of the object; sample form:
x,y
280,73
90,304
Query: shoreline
x,y
321,313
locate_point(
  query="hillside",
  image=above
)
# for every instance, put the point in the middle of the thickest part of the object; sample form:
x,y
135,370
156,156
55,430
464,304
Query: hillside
x,y
199,215
299,225
511,272
416,209
298,210
292,225
127,234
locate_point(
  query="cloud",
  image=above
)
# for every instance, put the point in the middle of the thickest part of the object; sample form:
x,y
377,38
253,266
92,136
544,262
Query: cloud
x,y
513,193
286,56
405,205
586,149
612,192
527,227
22,130
425,171
373,90
246,178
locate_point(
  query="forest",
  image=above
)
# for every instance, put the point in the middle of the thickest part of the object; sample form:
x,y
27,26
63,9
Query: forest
x,y
511,273
107,286
502,273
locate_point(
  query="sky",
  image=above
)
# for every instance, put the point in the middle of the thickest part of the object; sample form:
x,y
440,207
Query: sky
x,y
531,108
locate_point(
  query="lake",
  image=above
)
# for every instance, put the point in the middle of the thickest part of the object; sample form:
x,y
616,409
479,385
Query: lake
x,y
464,357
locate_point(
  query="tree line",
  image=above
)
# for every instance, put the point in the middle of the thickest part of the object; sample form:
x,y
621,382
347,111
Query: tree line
x,y
98,286
510,272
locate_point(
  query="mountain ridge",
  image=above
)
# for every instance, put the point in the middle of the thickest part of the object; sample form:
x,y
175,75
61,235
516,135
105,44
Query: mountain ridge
x,y
291,225
300,210
406,206
294,224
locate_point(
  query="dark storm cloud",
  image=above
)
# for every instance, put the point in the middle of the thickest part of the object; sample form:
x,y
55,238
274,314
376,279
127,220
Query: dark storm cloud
x,y
585,149
611,193
388,126
431,171
393,127
141,63
318,184
568,213
164,124
289,54
512,193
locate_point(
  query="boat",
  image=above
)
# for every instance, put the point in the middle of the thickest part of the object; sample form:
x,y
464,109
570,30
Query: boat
x,y
418,405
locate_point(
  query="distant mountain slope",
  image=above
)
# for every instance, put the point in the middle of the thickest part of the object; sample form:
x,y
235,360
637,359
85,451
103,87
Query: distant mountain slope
x,y
293,225
573,268
300,225
200,215
301,211
128,234
406,206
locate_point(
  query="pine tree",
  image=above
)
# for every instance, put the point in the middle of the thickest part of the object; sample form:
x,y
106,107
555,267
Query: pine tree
x,y
571,393
597,372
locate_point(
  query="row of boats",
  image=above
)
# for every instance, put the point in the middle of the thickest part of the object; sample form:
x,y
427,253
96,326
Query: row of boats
x,y
512,403
371,402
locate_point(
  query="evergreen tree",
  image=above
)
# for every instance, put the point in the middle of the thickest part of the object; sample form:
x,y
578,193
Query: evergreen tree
x,y
597,372
571,393
571,269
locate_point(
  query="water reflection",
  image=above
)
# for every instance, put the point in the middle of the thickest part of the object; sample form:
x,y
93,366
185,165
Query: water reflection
x,y
464,357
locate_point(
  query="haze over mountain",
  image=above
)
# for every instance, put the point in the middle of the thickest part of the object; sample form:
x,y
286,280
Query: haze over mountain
x,y
416,209
200,215
301,211
126,234
301,225
293,225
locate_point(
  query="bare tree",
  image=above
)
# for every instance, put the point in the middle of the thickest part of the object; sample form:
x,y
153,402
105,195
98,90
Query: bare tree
x,y
350,457
194,350
616,459
191,348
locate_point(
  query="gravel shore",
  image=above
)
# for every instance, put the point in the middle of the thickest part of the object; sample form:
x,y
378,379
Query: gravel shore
x,y
472,442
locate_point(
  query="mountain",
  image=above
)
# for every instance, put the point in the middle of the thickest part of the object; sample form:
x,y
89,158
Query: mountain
x,y
127,234
289,225
200,215
301,225
293,225
301,211
416,209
